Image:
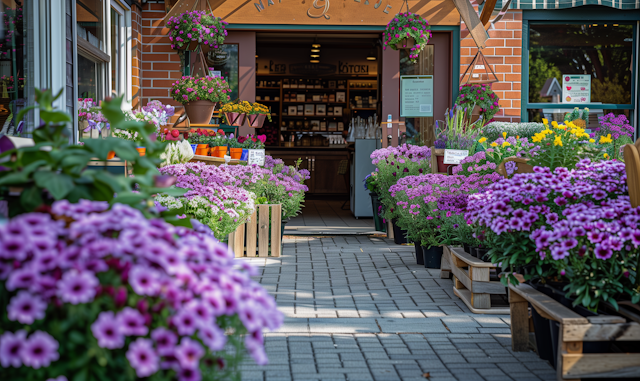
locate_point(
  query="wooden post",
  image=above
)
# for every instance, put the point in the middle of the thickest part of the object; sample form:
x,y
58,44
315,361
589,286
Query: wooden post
x,y
519,322
238,241
563,349
445,264
252,233
276,218
263,230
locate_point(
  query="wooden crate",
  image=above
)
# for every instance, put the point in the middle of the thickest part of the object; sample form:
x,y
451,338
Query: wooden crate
x,y
472,284
574,329
257,233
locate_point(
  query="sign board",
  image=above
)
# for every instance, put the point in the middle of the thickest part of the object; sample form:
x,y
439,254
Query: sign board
x,y
416,96
576,88
256,156
454,156
216,74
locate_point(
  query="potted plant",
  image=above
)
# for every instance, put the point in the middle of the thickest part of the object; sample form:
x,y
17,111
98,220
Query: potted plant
x,y
192,28
218,144
257,115
482,101
407,31
131,136
235,147
457,132
235,113
371,184
200,95
90,117
615,130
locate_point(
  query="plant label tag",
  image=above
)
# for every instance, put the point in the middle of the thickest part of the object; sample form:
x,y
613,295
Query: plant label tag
x,y
454,156
256,156
216,74
478,67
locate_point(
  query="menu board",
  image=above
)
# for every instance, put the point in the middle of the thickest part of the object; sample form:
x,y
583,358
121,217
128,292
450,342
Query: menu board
x,y
576,88
416,96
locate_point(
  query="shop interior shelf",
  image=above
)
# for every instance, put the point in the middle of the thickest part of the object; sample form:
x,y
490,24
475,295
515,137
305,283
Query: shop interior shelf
x,y
319,102
268,88
312,89
364,108
312,116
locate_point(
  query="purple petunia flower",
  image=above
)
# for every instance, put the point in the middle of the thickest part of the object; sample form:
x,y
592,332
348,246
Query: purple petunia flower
x,y
189,353
143,358
189,374
132,323
10,346
185,322
213,337
39,350
144,280
77,287
106,329
165,341
26,308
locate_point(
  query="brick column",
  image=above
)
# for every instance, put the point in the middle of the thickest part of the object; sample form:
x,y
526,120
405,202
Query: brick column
x,y
503,52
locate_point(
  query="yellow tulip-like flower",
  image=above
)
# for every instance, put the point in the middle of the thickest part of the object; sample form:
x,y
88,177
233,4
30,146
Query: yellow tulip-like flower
x,y
504,135
482,140
494,144
606,155
557,141
545,121
554,124
592,140
606,139
506,144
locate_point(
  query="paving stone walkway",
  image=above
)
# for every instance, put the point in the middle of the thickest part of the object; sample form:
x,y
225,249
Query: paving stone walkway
x,y
359,308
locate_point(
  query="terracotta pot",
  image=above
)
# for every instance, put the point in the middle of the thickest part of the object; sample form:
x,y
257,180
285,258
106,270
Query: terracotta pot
x,y
202,149
142,151
111,155
199,112
256,121
442,167
219,151
235,119
236,153
406,43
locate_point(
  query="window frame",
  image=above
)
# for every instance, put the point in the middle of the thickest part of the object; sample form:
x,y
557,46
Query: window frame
x,y
579,16
125,51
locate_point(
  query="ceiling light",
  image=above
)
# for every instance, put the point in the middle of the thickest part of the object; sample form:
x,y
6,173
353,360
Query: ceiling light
x,y
316,46
371,56
256,56
315,56
314,61
315,50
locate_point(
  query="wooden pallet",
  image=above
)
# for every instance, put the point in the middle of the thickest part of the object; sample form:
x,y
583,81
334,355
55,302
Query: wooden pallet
x,y
572,364
472,284
257,233
445,264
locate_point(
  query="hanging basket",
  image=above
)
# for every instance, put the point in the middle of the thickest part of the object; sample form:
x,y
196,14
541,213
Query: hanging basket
x,y
235,119
407,31
192,45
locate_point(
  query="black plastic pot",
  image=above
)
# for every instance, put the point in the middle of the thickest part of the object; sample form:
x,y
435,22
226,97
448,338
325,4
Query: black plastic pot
x,y
482,254
377,220
419,254
543,330
399,235
432,256
467,248
282,225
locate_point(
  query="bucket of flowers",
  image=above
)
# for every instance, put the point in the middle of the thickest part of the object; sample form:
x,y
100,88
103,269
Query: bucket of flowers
x,y
407,31
200,95
257,115
193,28
235,113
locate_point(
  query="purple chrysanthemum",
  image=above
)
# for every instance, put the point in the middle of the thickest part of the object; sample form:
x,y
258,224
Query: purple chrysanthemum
x,y
189,353
106,330
10,345
26,308
143,358
77,287
132,322
39,350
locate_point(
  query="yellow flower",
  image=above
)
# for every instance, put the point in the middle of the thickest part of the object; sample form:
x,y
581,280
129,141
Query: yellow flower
x,y
545,121
505,144
504,135
557,141
606,139
554,124
482,140
606,155
592,140
494,144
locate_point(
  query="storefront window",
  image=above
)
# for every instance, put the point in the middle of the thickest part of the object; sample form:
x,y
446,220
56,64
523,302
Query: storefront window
x,y
88,80
115,51
89,15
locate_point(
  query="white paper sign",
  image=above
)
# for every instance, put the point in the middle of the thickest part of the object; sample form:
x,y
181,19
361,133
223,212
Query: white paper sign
x,y
576,88
216,74
256,156
454,156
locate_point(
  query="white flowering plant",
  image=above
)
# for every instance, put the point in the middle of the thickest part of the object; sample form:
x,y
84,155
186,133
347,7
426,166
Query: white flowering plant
x,y
177,153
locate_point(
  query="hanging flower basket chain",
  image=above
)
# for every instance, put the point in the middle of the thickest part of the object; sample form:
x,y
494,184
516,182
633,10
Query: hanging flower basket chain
x,y
407,31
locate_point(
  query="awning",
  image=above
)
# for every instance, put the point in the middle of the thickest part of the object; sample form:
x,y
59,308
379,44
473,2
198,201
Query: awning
x,y
562,4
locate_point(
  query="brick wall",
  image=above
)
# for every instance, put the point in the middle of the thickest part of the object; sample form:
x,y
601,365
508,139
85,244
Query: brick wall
x,y
160,64
503,52
136,56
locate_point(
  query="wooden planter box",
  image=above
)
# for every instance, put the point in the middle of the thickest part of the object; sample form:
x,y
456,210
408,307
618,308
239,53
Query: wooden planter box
x,y
472,284
574,329
254,234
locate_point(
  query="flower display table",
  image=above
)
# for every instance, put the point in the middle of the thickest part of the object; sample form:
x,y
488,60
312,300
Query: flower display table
x,y
572,363
218,161
263,231
471,282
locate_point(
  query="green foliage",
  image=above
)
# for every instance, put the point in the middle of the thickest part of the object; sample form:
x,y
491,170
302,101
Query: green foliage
x,y
53,169
493,131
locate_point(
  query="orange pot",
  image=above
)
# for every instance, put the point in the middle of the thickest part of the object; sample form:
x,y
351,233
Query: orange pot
x,y
111,155
142,151
202,149
236,153
219,151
